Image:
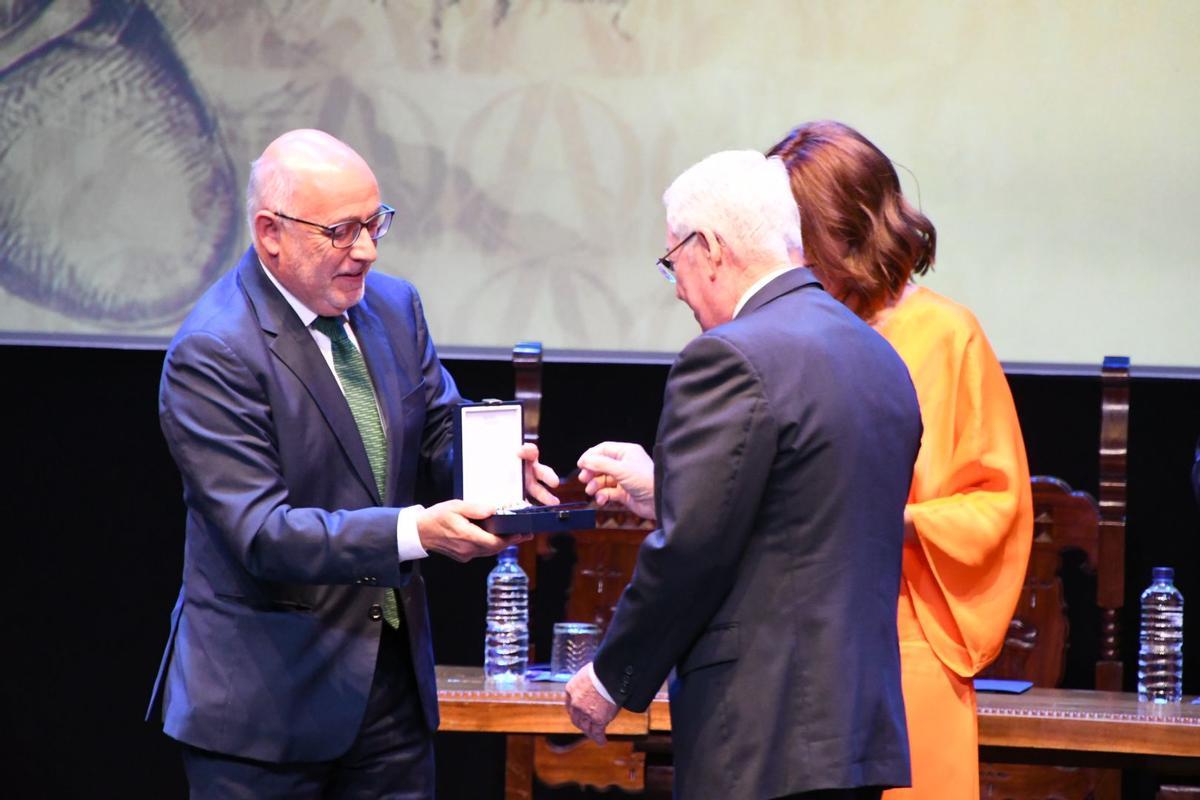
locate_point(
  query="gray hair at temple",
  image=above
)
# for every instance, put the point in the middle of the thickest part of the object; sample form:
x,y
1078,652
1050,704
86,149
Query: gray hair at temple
x,y
743,197
270,187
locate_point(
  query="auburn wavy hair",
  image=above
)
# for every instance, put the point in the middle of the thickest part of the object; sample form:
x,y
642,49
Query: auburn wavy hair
x,y
860,234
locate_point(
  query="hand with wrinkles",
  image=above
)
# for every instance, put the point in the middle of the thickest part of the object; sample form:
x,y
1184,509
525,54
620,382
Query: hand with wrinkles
x,y
588,709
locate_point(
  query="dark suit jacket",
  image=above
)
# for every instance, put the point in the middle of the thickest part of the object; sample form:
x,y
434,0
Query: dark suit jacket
x,y
783,462
289,546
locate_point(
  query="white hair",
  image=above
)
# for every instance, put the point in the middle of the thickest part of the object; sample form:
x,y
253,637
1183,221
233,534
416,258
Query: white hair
x,y
271,186
744,197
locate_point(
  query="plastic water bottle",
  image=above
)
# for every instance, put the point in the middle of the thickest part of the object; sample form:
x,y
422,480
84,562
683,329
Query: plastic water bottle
x,y
506,643
1160,658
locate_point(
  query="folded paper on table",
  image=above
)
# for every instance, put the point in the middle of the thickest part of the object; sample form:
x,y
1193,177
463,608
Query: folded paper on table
x,y
541,673
1004,686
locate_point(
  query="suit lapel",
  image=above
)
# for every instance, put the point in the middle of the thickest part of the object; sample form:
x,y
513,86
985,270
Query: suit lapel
x,y
390,386
292,343
790,281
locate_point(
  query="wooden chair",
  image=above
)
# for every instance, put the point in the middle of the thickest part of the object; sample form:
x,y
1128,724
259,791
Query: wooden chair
x,y
604,561
1036,648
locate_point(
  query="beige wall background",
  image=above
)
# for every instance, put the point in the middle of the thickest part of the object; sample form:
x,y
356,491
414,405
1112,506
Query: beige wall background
x,y
527,144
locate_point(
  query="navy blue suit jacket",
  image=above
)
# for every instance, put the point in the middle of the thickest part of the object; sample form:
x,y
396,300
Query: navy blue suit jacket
x,y
783,461
289,546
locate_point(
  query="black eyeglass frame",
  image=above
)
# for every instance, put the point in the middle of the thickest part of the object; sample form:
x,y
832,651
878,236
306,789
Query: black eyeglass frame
x,y
331,230
665,265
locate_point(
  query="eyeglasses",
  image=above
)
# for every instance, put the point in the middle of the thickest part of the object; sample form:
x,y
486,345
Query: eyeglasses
x,y
345,234
665,265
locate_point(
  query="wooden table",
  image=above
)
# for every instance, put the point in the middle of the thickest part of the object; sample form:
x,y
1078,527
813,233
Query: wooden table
x,y
467,704
1059,726
1082,728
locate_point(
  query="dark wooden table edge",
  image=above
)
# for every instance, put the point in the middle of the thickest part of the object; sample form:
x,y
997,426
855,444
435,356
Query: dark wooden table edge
x,y
1176,766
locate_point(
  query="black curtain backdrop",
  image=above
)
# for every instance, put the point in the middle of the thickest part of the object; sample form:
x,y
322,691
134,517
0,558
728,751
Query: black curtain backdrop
x,y
96,523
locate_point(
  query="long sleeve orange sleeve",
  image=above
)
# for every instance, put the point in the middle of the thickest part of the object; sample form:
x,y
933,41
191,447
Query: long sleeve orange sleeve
x,y
970,502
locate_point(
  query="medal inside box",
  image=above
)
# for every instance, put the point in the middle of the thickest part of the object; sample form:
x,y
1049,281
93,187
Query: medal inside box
x,y
488,470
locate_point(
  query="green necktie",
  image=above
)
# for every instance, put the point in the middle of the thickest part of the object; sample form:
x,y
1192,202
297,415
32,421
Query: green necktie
x,y
352,372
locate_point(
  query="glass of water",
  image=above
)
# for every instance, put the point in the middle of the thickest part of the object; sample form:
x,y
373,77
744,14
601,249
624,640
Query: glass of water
x,y
574,645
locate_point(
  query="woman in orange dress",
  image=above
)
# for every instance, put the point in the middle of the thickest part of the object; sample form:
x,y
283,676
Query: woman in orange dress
x,y
969,519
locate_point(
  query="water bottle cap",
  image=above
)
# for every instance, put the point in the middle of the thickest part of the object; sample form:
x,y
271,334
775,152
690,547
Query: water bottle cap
x,y
510,554
1163,573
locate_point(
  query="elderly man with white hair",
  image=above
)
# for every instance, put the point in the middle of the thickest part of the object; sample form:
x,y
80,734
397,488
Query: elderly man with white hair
x,y
781,468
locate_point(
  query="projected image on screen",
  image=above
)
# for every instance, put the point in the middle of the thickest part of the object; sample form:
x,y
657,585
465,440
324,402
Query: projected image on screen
x,y
526,146
118,200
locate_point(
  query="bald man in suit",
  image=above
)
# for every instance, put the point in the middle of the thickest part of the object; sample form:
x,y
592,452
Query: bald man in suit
x,y
303,401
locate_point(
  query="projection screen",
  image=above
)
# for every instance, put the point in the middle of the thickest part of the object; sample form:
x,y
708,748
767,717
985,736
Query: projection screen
x,y
526,146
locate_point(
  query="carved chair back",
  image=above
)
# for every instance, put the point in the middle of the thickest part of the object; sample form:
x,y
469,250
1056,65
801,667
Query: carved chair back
x,y
604,560
1069,521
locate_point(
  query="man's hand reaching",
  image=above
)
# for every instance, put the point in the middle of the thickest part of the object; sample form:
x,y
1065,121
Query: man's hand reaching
x,y
619,473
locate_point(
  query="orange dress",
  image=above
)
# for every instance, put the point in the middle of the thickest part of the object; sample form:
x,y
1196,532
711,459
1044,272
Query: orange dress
x,y
972,509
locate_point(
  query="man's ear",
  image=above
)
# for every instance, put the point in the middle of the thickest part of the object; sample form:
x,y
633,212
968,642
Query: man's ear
x,y
714,252
266,231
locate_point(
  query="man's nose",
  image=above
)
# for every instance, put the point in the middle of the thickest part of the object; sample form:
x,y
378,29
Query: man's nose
x,y
363,248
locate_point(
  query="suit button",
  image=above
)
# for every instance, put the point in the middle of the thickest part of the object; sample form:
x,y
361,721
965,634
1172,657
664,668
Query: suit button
x,y
376,612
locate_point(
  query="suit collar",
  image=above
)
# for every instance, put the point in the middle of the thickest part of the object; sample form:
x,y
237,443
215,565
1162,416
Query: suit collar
x,y
752,290
293,344
306,314
790,281
270,307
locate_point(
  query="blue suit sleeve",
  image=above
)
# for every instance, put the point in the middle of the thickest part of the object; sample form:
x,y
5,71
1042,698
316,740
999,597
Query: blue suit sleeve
x,y
217,421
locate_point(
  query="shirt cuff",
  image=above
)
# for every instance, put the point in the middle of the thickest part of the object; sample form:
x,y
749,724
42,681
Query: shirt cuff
x,y
598,685
408,542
